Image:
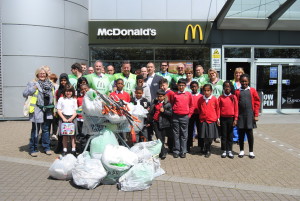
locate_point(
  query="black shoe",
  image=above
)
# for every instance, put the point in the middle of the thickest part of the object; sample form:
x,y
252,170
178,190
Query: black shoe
x,y
241,156
183,155
163,156
252,157
74,153
175,155
207,155
202,150
64,153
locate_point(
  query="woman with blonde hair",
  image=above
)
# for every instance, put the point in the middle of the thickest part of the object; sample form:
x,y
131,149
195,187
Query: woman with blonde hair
x,y
215,82
41,94
237,74
189,78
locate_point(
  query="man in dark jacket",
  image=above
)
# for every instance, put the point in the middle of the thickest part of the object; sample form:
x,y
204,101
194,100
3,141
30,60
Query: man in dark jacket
x,y
161,113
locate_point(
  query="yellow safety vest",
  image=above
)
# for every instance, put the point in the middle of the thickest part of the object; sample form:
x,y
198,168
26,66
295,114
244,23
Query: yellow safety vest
x,y
34,98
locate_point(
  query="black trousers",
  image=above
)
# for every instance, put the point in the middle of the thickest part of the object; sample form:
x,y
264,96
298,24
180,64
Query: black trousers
x,y
160,134
170,135
226,133
194,119
249,133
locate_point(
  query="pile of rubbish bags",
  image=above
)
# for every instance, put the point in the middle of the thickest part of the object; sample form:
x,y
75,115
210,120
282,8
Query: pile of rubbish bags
x,y
108,163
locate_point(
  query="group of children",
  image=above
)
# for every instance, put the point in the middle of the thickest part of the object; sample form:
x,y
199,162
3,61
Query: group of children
x,y
176,114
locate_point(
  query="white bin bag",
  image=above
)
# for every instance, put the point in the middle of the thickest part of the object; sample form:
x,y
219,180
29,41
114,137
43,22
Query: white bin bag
x,y
62,167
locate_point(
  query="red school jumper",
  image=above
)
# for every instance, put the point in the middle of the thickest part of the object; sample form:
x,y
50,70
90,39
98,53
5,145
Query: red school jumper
x,y
182,103
195,99
209,112
228,106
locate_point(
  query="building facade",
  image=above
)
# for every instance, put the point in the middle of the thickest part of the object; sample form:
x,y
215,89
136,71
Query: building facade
x,y
260,36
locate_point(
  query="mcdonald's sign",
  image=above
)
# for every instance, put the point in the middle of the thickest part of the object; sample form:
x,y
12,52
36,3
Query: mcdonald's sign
x,y
193,29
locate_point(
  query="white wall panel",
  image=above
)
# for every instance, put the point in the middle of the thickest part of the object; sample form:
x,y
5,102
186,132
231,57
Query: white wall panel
x,y
103,9
37,12
18,70
200,9
154,9
84,3
76,45
32,40
179,10
13,102
129,9
76,17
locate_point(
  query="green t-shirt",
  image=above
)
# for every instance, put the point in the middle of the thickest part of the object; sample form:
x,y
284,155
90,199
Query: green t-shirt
x,y
176,77
166,75
73,80
100,84
217,88
202,80
129,83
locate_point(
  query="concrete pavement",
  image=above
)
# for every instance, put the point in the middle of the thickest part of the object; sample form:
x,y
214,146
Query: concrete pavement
x,y
272,175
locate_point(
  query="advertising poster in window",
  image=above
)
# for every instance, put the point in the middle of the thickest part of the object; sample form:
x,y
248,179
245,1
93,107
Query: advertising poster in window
x,y
173,65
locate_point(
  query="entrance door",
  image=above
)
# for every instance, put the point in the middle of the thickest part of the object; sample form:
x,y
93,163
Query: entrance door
x,y
267,82
280,84
290,87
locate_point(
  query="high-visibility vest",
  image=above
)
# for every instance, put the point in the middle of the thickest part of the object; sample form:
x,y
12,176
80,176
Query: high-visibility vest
x,y
34,98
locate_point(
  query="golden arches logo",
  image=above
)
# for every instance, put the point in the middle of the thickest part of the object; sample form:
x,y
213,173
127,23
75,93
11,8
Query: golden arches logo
x,y
194,29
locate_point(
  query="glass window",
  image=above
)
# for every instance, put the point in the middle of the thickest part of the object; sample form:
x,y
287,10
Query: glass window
x,y
233,52
140,56
277,53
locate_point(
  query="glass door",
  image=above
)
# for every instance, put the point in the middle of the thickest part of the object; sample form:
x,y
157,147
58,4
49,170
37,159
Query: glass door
x,y
290,87
267,82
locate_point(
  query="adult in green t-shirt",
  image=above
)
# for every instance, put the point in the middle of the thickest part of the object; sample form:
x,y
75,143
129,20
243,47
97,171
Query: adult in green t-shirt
x,y
76,73
215,82
128,78
98,80
175,77
200,77
164,72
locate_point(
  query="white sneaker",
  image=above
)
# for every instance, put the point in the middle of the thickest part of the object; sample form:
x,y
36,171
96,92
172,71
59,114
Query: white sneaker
x,y
54,137
230,155
251,155
223,154
241,154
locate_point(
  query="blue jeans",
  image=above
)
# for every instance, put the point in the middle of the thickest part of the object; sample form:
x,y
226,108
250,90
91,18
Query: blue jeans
x,y
33,143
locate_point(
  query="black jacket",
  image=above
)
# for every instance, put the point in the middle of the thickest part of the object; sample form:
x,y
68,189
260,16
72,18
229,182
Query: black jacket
x,y
164,117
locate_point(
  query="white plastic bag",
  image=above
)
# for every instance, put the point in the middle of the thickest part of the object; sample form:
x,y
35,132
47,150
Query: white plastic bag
x,y
139,177
99,143
62,167
92,107
158,171
89,173
114,118
117,160
142,149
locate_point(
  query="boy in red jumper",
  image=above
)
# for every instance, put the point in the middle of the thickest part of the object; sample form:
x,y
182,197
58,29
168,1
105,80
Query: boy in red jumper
x,y
164,85
119,93
181,102
195,117
228,118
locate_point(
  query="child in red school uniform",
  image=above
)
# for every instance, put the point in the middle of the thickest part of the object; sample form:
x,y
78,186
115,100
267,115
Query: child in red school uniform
x,y
119,93
248,103
164,85
161,114
209,113
181,102
194,86
228,118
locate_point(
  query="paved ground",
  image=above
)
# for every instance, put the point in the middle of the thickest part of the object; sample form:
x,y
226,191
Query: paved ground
x,y
272,175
